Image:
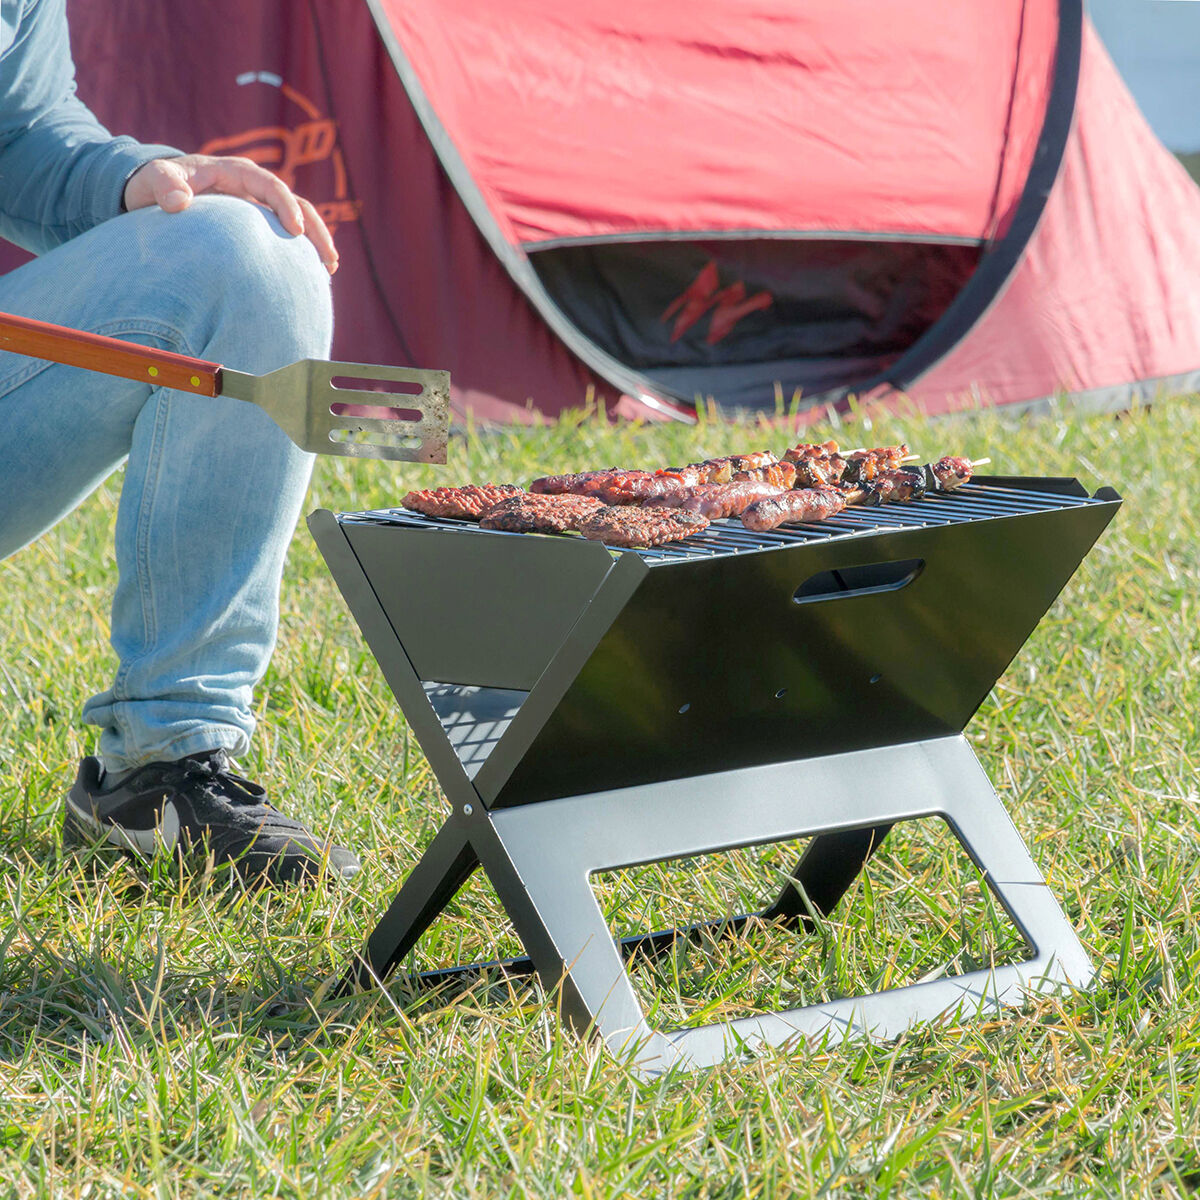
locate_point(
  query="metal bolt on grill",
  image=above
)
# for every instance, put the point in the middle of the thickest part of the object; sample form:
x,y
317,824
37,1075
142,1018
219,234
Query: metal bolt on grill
x,y
587,709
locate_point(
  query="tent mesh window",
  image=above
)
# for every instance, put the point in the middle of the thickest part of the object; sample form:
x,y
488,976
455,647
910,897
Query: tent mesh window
x,y
841,309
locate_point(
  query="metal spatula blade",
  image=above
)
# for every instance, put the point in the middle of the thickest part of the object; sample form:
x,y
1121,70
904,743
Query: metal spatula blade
x,y
306,401
303,399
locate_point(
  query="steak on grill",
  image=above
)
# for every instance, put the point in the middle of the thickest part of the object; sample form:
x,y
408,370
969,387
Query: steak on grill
x,y
469,502
528,513
626,526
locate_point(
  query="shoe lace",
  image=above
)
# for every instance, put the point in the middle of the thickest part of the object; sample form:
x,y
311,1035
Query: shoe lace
x,y
211,772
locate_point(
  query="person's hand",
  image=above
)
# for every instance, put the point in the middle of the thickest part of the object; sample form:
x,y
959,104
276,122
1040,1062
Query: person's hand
x,y
171,183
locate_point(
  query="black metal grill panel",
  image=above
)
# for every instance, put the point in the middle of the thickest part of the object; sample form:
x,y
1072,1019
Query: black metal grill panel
x,y
607,668
973,502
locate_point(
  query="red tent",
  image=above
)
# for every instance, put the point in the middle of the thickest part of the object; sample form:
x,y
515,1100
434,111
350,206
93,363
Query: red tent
x,y
660,201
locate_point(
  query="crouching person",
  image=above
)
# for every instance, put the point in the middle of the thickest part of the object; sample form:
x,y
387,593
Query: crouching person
x,y
209,257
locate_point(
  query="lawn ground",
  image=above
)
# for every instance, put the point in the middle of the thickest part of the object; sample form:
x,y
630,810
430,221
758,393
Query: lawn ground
x,y
160,1037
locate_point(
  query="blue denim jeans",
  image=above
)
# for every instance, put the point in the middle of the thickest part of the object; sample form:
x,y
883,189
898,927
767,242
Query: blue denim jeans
x,y
212,488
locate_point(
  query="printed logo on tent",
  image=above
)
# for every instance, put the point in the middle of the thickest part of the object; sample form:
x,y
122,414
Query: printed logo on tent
x,y
729,305
305,154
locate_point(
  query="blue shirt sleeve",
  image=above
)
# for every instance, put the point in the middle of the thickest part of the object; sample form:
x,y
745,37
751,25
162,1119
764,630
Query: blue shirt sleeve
x,y
61,171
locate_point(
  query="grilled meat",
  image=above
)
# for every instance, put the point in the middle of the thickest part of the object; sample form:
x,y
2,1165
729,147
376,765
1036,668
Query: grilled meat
x,y
800,504
890,487
912,483
717,500
467,503
619,486
866,464
582,483
718,470
948,473
637,487
782,474
626,526
816,465
750,462
810,450
824,465
528,513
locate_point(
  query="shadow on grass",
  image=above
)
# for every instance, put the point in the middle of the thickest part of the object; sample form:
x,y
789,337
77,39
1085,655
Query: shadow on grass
x,y
92,942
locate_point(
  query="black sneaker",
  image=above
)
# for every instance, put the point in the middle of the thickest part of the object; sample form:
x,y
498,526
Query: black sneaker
x,y
198,804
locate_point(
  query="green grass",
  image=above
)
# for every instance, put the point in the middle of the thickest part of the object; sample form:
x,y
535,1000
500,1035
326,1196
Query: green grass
x,y
160,1037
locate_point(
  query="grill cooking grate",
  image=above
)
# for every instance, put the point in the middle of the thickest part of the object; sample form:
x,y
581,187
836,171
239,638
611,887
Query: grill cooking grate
x,y
974,502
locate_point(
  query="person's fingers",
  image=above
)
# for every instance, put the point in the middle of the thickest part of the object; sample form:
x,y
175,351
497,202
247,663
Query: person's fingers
x,y
172,192
171,183
246,179
162,181
240,177
318,233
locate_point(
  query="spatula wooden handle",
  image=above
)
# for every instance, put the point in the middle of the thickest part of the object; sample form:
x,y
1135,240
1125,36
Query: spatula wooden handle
x,y
109,356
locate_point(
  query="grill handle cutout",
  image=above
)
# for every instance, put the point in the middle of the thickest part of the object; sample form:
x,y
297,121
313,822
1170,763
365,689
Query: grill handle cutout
x,y
864,580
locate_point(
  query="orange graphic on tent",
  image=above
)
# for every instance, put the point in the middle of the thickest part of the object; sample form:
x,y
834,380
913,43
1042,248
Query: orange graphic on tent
x,y
729,305
299,154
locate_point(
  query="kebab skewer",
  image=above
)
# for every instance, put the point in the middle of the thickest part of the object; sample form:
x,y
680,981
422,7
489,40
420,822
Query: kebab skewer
x,y
621,485
717,500
895,486
902,484
824,464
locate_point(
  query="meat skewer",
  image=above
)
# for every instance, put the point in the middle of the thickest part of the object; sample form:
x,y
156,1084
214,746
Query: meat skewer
x,y
615,485
912,483
782,474
718,470
800,504
866,464
620,485
816,465
825,465
950,472
582,483
717,500
891,486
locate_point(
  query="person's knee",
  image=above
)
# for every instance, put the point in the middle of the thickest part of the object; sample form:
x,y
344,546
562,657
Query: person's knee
x,y
261,279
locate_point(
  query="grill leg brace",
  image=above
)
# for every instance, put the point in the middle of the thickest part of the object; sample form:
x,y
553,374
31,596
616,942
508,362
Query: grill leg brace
x,y
539,858
826,869
445,866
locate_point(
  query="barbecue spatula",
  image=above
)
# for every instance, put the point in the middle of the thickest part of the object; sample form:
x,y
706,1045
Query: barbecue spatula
x,y
303,399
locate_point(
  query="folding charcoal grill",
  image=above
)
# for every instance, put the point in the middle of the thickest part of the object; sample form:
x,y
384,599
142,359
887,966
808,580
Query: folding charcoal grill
x,y
588,709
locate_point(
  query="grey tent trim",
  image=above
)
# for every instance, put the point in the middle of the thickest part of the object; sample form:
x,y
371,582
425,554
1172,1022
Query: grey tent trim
x,y
763,235
1117,398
